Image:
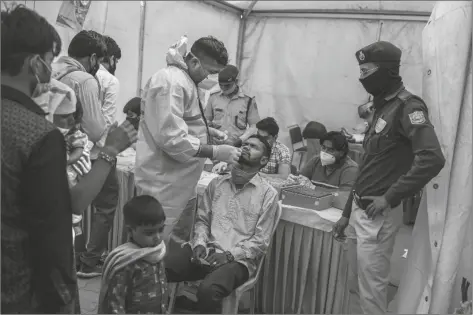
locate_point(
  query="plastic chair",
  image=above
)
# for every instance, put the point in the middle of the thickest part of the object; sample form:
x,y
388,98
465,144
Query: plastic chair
x,y
297,143
230,303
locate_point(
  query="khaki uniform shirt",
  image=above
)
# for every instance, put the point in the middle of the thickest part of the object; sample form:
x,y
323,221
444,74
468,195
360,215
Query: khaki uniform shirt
x,y
230,114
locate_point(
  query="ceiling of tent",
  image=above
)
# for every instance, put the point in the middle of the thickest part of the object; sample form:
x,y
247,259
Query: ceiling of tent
x,y
278,6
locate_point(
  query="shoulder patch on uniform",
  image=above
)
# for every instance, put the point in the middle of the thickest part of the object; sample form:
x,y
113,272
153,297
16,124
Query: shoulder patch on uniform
x,y
417,117
380,124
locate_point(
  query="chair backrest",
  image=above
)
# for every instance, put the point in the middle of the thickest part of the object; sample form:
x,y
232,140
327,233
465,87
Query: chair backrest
x,y
295,133
276,223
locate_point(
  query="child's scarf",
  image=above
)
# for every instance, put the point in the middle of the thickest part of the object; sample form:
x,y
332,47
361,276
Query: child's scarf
x,y
121,257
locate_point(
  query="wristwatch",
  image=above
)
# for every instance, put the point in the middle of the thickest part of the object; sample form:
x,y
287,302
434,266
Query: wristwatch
x,y
230,257
107,158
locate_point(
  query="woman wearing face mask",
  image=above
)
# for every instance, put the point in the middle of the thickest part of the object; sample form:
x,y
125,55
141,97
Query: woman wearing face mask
x,y
333,166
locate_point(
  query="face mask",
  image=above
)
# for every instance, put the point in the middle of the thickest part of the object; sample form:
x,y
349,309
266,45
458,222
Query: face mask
x,y
240,177
381,81
326,158
42,87
94,69
209,82
230,90
64,131
113,65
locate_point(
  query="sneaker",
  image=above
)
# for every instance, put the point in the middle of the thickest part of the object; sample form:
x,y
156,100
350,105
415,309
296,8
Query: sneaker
x,y
89,272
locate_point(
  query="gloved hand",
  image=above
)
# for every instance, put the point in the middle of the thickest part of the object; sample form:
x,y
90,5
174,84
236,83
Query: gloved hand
x,y
83,165
226,153
217,134
220,168
234,142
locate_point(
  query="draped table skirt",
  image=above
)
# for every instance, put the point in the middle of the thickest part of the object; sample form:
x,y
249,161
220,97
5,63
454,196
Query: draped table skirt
x,y
304,273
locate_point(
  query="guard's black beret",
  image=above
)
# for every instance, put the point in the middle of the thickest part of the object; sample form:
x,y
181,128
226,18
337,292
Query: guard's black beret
x,y
379,52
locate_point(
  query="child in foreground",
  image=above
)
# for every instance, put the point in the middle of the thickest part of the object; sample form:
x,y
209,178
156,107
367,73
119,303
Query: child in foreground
x,y
134,280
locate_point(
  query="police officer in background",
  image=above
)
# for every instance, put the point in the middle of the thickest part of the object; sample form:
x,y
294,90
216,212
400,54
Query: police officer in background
x,y
402,154
230,110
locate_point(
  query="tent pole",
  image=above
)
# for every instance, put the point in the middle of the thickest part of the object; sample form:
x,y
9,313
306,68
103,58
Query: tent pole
x,y
241,33
141,47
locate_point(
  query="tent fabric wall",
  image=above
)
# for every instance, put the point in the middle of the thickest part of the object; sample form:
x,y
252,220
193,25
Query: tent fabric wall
x,y
95,19
167,21
303,69
441,253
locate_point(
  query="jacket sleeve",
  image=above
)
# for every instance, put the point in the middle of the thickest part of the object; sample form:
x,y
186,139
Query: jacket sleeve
x,y
109,107
428,156
93,121
255,246
114,301
164,119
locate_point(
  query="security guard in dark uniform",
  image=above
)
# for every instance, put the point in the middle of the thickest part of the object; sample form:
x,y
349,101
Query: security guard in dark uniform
x,y
402,154
231,111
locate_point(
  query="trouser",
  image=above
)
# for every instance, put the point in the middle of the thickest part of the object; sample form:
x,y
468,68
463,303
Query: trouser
x,y
103,207
216,285
369,245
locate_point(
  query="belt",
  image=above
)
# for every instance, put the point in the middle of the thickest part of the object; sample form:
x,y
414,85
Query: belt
x,y
362,204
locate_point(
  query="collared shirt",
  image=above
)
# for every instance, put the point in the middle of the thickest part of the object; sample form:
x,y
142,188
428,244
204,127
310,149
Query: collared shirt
x,y
109,88
138,288
342,175
280,154
37,252
402,152
230,113
237,220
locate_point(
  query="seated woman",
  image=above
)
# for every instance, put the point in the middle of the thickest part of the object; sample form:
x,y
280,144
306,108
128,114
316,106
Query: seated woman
x,y
333,166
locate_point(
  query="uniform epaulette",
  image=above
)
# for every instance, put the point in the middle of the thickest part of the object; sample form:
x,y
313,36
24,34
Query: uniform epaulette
x,y
405,95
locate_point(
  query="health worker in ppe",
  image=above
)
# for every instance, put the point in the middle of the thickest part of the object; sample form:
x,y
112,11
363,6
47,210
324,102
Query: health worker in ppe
x,y
173,135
